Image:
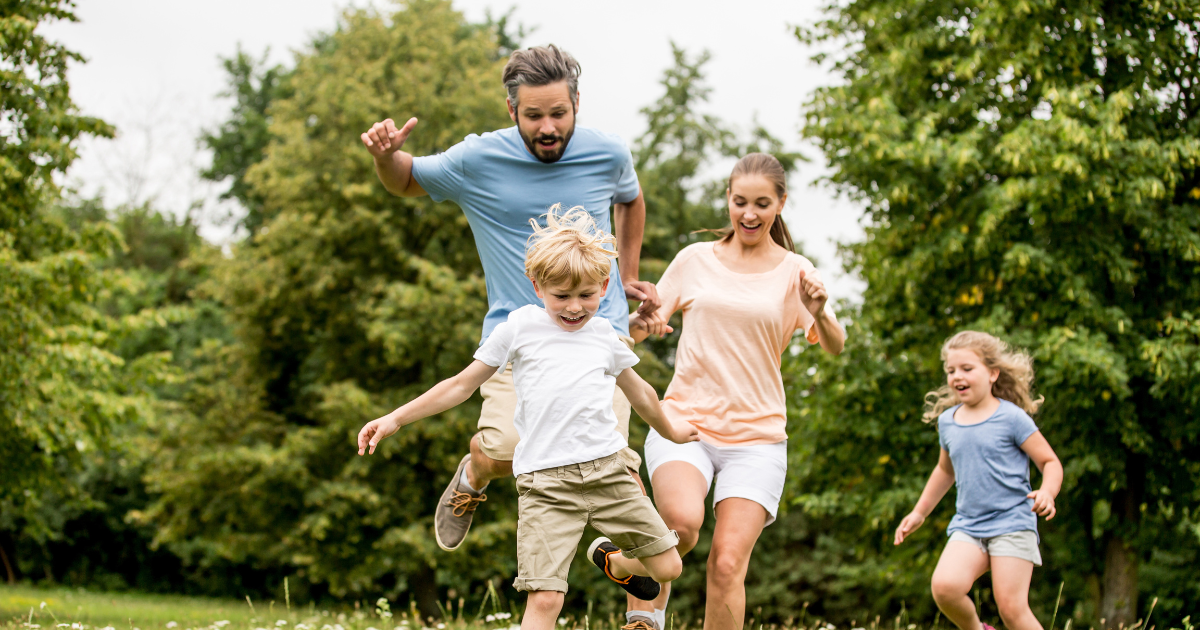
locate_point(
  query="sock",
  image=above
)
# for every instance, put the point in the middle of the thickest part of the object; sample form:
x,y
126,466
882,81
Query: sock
x,y
466,485
660,615
636,613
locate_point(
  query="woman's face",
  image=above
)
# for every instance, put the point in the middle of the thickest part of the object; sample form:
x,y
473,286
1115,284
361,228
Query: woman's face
x,y
753,206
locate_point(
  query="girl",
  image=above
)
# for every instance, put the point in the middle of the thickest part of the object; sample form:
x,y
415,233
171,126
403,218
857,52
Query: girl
x,y
987,440
742,298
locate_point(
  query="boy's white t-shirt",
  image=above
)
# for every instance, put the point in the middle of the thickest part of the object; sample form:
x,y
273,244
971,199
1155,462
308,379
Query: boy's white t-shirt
x,y
564,382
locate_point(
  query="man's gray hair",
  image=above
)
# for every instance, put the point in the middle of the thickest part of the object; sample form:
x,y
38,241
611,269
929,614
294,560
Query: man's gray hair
x,y
541,65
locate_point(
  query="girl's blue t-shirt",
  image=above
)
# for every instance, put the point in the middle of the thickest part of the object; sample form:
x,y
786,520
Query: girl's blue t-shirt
x,y
500,186
991,471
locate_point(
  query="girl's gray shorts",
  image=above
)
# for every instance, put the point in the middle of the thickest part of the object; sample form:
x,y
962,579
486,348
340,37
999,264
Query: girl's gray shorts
x,y
1022,544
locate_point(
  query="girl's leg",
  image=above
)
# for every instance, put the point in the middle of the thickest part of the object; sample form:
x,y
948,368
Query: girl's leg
x,y
541,610
1010,583
739,524
960,565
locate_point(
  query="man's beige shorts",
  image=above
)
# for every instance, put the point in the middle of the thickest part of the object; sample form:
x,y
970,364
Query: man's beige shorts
x,y
497,435
555,505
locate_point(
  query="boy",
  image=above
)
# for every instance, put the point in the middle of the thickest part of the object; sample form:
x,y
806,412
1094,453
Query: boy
x,y
564,364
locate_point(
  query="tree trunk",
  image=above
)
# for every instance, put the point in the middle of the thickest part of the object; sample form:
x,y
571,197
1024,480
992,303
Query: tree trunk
x,y
1119,605
424,591
8,570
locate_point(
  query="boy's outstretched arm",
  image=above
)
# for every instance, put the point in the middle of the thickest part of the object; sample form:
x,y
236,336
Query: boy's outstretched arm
x,y
938,485
1038,449
644,400
446,394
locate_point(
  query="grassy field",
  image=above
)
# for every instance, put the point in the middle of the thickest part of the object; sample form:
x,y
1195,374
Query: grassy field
x,y
31,608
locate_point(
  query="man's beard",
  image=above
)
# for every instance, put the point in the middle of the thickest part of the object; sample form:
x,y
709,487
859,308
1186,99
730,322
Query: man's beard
x,y
541,154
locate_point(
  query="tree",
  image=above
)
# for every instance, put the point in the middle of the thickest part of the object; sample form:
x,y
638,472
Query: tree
x,y
1029,169
63,387
345,303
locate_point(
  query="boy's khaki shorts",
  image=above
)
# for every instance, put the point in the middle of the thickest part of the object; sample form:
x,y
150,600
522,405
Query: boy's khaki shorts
x,y
498,437
555,505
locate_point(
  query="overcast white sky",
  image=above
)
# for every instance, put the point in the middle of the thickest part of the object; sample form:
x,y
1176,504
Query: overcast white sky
x,y
153,70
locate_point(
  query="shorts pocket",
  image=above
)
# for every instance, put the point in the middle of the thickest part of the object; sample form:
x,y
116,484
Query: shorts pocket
x,y
526,483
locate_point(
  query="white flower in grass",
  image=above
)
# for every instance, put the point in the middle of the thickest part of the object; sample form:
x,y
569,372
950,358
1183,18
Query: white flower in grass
x,y
562,621
222,623
33,625
64,625
77,626
441,626
172,624
281,622
372,628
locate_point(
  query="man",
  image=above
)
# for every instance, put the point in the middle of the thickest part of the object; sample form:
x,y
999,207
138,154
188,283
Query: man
x,y
501,180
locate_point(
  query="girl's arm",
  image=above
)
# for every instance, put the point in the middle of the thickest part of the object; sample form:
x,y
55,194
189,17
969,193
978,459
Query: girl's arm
x,y
938,485
1038,449
446,394
644,400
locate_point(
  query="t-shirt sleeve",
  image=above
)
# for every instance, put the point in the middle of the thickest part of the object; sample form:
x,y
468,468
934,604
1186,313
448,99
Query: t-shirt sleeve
x,y
623,357
670,286
442,175
627,181
1022,426
941,430
496,351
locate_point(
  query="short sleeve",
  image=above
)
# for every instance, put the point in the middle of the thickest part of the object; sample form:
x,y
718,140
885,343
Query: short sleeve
x,y
1022,426
670,286
623,357
442,175
627,181
497,349
941,429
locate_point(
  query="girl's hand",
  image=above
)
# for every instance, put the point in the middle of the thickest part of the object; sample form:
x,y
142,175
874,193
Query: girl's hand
x,y
1043,503
812,293
908,526
374,431
683,432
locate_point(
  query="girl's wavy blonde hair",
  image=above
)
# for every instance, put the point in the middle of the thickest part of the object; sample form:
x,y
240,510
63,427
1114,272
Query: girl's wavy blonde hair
x,y
569,249
1015,383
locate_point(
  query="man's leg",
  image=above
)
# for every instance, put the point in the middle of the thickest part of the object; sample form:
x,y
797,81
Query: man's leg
x,y
490,458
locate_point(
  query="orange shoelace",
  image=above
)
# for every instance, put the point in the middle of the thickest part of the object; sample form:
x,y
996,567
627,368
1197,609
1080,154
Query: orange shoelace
x,y
638,625
464,502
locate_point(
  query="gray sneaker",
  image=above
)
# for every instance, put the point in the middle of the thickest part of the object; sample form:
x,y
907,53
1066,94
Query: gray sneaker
x,y
455,509
641,622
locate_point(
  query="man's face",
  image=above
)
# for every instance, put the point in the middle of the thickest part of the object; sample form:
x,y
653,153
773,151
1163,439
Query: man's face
x,y
545,118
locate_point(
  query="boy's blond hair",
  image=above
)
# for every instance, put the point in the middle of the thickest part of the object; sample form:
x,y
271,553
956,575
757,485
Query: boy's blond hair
x,y
569,249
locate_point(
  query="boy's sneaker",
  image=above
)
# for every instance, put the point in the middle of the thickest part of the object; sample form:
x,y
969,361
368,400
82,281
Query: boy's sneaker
x,y
452,519
641,622
640,587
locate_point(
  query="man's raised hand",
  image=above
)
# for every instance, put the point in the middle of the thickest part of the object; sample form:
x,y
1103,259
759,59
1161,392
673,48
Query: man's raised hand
x,y
384,139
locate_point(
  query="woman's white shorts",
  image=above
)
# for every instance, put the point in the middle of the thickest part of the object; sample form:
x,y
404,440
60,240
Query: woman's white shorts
x,y
753,472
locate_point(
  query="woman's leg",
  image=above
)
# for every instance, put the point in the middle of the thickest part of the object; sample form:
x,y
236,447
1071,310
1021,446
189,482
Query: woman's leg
x,y
1010,583
960,565
739,524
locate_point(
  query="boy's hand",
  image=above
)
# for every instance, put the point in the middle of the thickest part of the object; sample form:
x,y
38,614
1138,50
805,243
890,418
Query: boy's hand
x,y
812,293
373,432
1043,503
908,526
683,432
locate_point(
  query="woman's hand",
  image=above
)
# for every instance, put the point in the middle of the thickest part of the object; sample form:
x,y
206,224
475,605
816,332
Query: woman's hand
x,y
909,525
374,431
812,293
654,324
1043,503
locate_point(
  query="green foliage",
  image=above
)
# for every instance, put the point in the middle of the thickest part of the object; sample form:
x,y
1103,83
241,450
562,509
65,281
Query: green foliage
x,y
1029,169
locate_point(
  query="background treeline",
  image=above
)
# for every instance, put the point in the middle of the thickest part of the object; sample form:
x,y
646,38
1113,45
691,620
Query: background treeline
x,y
178,418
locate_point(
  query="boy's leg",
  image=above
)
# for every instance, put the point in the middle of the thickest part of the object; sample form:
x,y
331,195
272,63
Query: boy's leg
x,y
662,568
541,610
960,565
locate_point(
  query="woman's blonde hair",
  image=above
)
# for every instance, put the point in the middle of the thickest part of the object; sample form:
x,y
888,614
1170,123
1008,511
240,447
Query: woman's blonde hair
x,y
1014,383
569,249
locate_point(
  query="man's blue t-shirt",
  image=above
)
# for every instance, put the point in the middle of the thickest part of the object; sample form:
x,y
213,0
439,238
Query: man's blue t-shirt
x,y
991,471
500,186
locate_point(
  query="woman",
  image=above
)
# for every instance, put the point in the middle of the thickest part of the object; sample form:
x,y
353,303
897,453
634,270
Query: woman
x,y
743,297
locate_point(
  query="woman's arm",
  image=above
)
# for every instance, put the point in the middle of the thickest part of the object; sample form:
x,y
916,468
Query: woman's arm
x,y
938,485
445,395
814,296
644,400
1038,449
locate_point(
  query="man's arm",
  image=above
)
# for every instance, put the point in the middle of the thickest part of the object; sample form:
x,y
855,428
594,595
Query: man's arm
x,y
393,166
629,225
